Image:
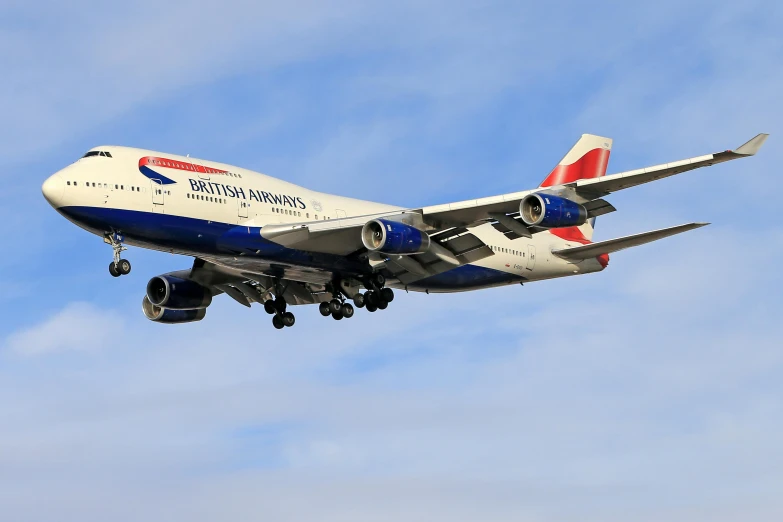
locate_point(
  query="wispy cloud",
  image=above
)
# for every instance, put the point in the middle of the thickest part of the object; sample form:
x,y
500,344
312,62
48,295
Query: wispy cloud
x,y
77,327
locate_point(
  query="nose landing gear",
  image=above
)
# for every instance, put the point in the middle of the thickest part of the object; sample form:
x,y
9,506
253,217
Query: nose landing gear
x,y
118,266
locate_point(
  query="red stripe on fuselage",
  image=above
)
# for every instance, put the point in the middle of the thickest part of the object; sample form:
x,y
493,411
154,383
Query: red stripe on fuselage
x,y
591,165
156,161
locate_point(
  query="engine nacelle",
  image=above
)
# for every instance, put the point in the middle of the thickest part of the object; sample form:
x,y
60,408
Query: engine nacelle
x,y
543,210
391,237
165,316
175,293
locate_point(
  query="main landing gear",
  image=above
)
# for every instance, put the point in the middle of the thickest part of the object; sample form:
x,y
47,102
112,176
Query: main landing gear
x,y
376,298
277,308
337,308
118,266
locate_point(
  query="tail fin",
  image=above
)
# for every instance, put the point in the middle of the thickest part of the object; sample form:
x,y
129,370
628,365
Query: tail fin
x,y
588,158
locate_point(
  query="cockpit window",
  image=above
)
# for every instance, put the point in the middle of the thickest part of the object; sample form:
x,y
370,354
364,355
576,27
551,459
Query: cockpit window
x,y
97,153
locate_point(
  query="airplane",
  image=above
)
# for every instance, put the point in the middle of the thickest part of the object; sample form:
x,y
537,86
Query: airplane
x,y
263,240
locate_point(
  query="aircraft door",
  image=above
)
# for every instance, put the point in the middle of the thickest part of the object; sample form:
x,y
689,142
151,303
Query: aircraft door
x,y
242,207
158,195
340,213
531,257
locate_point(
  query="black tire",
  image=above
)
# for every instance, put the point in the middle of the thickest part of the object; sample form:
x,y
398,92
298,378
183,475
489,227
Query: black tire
x,y
347,310
288,319
387,294
371,307
335,306
113,270
337,316
124,267
325,310
371,298
269,307
277,322
280,304
358,301
379,279
382,305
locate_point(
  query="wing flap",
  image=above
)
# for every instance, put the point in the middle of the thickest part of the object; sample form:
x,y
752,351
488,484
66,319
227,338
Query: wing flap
x,y
613,245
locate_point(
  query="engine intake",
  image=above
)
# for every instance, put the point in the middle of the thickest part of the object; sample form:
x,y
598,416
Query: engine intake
x,y
391,237
165,316
543,210
175,293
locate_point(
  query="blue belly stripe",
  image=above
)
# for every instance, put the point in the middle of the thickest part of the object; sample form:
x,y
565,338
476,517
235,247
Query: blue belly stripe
x,y
215,238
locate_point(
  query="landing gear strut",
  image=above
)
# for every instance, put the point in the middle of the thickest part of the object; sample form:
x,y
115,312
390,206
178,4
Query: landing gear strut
x,y
118,266
277,308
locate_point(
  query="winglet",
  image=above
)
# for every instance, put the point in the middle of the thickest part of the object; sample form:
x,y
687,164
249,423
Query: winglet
x,y
752,147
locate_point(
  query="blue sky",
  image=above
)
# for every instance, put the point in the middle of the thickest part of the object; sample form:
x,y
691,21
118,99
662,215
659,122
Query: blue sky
x,y
649,391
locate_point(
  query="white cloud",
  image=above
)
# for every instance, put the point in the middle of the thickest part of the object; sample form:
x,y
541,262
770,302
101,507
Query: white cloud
x,y
77,327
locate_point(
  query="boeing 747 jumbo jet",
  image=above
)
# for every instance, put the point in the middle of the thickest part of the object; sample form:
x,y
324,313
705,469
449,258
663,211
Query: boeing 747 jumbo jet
x,y
260,239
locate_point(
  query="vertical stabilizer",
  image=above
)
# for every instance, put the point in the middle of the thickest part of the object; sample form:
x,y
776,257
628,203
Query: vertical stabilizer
x,y
587,159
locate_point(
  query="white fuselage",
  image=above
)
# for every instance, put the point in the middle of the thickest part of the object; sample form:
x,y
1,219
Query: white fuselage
x,y
169,202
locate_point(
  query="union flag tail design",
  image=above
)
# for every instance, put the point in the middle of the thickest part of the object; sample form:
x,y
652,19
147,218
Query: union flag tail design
x,y
587,159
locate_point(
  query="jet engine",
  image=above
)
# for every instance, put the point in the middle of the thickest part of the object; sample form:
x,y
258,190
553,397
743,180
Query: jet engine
x,y
174,293
165,316
543,210
391,237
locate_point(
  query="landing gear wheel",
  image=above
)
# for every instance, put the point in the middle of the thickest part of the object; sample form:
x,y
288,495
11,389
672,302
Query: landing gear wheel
x,y
378,279
347,310
371,307
382,305
269,307
277,322
280,304
113,270
124,267
387,294
335,306
358,300
371,298
325,310
337,316
288,319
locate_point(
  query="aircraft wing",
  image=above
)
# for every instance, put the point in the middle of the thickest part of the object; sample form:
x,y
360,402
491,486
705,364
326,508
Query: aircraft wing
x,y
343,237
597,187
584,191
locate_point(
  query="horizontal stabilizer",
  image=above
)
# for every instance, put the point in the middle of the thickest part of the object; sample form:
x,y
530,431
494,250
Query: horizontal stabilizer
x,y
613,245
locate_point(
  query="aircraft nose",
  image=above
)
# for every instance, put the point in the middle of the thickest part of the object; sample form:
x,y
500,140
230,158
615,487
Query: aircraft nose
x,y
53,189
